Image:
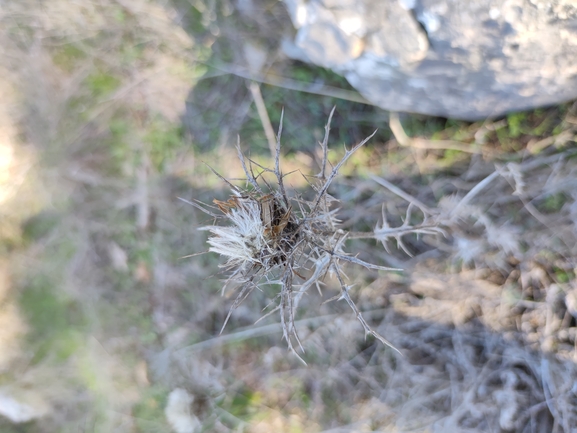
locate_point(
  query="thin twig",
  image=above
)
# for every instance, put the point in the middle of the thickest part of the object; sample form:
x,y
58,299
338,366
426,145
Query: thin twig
x,y
233,187
335,171
325,147
277,172
263,330
398,191
249,175
263,115
420,143
198,206
469,196
368,330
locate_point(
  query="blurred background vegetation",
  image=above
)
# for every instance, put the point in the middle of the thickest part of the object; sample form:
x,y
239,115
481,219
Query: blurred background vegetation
x,y
109,111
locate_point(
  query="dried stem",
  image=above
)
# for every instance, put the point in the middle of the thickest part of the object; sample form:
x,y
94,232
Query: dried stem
x,y
262,113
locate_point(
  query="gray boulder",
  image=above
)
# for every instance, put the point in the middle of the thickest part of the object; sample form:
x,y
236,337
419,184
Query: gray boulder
x,y
462,59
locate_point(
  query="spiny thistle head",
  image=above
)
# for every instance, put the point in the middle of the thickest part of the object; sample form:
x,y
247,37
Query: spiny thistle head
x,y
269,237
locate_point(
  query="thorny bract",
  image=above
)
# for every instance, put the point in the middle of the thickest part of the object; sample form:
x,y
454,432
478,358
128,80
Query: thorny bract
x,y
269,237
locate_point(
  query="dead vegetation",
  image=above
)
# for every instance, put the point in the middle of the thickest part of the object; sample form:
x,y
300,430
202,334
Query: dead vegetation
x,y
269,243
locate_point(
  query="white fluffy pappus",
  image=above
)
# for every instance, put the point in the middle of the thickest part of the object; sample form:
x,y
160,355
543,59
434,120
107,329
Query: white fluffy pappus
x,y
178,412
243,241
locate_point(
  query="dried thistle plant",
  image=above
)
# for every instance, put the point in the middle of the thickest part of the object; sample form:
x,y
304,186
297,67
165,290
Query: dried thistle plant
x,y
269,237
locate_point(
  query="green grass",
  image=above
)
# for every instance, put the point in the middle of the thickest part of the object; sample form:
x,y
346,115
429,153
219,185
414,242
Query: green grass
x,y
68,57
57,323
164,140
553,203
102,83
40,225
563,276
149,411
515,122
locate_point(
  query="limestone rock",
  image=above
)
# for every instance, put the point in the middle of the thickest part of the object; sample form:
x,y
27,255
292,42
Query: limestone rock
x,y
449,58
